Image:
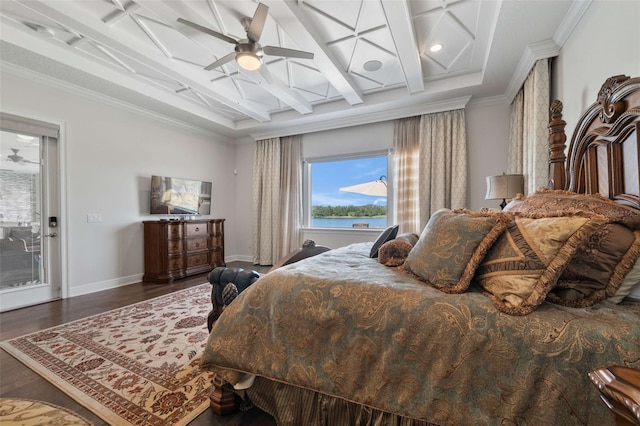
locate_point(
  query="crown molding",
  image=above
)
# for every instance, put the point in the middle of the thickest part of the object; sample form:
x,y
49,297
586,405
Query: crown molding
x,y
533,53
488,101
570,21
547,48
367,118
55,83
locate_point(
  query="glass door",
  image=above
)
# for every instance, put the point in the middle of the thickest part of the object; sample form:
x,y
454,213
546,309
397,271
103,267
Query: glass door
x,y
29,205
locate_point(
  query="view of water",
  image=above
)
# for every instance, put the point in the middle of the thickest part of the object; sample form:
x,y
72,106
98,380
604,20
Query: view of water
x,y
374,222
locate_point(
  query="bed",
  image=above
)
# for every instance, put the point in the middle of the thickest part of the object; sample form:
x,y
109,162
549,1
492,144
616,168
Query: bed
x,y
495,339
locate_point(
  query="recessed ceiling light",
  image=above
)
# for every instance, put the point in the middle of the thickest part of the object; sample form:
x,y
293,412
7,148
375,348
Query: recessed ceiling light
x,y
372,65
436,47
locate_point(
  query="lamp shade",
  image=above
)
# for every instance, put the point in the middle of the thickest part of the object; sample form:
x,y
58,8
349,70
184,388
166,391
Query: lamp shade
x,y
504,186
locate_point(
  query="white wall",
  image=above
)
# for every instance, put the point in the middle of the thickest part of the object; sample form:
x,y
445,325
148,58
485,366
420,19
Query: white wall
x,y
110,155
487,136
606,42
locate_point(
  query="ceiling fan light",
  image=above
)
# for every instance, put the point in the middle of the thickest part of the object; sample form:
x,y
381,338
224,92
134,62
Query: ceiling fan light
x,y
248,61
436,47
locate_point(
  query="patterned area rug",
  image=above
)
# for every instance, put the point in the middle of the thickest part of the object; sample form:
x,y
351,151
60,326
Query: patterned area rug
x,y
26,412
133,365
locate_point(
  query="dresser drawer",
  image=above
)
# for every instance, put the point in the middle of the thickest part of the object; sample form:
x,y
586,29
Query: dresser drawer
x,y
174,230
197,259
194,244
176,263
174,246
197,230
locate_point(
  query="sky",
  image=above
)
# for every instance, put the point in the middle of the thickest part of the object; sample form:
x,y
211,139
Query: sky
x,y
328,177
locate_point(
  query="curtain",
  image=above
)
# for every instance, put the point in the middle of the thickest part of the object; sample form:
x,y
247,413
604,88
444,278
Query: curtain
x,y
266,200
430,173
443,163
406,134
529,135
290,236
277,198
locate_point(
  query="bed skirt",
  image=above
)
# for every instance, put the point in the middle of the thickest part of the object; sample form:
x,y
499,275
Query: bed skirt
x,y
288,404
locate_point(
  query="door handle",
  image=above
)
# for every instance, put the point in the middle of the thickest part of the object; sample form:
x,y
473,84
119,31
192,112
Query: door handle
x,y
52,235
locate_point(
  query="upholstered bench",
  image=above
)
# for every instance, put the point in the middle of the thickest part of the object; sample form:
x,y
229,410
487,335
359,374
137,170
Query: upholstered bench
x,y
227,283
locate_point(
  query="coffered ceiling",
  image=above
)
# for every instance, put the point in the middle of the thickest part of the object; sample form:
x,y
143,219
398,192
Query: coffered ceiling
x,y
371,58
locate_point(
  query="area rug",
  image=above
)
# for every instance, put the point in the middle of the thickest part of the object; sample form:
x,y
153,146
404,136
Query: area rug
x,y
27,412
134,365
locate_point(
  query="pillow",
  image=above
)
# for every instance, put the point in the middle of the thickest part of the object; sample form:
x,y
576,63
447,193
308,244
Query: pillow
x,y
630,283
386,235
598,267
452,245
525,263
600,264
552,201
394,252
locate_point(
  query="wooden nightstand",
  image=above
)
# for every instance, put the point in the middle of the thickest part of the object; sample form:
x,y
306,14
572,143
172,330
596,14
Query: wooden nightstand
x,y
620,391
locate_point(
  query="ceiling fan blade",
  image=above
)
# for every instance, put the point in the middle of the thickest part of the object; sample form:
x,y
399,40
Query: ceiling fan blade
x,y
227,58
257,22
289,53
207,31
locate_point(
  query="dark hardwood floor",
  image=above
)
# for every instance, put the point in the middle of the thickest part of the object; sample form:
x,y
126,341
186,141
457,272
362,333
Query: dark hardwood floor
x,y
18,381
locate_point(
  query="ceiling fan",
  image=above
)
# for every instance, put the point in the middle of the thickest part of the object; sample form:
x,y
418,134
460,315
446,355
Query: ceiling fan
x,y
248,52
16,158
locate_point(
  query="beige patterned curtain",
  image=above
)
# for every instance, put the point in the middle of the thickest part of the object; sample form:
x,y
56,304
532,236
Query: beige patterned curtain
x,y
277,198
406,137
266,200
289,233
430,154
443,163
528,144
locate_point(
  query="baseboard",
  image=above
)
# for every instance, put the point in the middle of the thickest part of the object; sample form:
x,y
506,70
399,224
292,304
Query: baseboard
x,y
238,258
104,285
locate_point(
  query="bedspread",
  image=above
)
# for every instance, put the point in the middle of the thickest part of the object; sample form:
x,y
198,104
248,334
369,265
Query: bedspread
x,y
344,325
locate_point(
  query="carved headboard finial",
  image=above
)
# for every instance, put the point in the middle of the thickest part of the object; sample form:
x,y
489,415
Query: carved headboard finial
x,y
611,110
556,107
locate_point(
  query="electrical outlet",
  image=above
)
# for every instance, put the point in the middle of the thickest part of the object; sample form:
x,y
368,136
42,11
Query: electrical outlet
x,y
94,218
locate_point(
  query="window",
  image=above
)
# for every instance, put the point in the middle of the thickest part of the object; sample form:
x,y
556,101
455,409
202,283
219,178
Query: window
x,y
347,192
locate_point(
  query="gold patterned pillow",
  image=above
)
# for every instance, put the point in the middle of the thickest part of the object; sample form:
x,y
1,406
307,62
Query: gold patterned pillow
x,y
452,245
554,201
525,263
601,263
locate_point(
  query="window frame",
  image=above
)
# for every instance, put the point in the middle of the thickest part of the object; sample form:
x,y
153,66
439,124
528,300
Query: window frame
x,y
306,186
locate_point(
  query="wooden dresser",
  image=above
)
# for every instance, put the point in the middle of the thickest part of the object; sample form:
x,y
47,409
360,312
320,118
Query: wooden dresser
x,y
175,249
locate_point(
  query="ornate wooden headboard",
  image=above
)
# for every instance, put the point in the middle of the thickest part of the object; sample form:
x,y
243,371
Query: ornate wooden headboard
x,y
603,155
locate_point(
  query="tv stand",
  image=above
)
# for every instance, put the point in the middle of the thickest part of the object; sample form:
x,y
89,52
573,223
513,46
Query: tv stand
x,y
175,249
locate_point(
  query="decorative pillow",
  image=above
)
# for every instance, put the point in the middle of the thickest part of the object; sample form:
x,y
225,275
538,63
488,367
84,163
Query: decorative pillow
x,y
551,201
631,281
452,245
525,263
600,264
598,267
394,252
386,235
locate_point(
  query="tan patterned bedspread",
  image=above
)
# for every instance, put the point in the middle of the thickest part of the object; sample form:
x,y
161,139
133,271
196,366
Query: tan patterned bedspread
x,y
344,325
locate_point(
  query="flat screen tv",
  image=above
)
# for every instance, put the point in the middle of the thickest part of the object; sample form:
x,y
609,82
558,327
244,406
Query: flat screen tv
x,y
173,196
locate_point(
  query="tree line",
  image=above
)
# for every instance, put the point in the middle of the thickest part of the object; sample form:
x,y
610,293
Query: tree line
x,y
370,210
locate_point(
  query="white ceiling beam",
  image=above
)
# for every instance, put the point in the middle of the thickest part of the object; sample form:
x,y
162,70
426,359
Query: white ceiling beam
x,y
268,83
403,34
277,88
83,25
299,27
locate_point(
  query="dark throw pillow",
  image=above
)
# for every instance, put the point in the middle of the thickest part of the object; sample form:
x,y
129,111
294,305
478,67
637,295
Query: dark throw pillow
x,y
386,235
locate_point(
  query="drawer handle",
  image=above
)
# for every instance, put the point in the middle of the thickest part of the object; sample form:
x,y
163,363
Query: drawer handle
x,y
197,245
197,229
